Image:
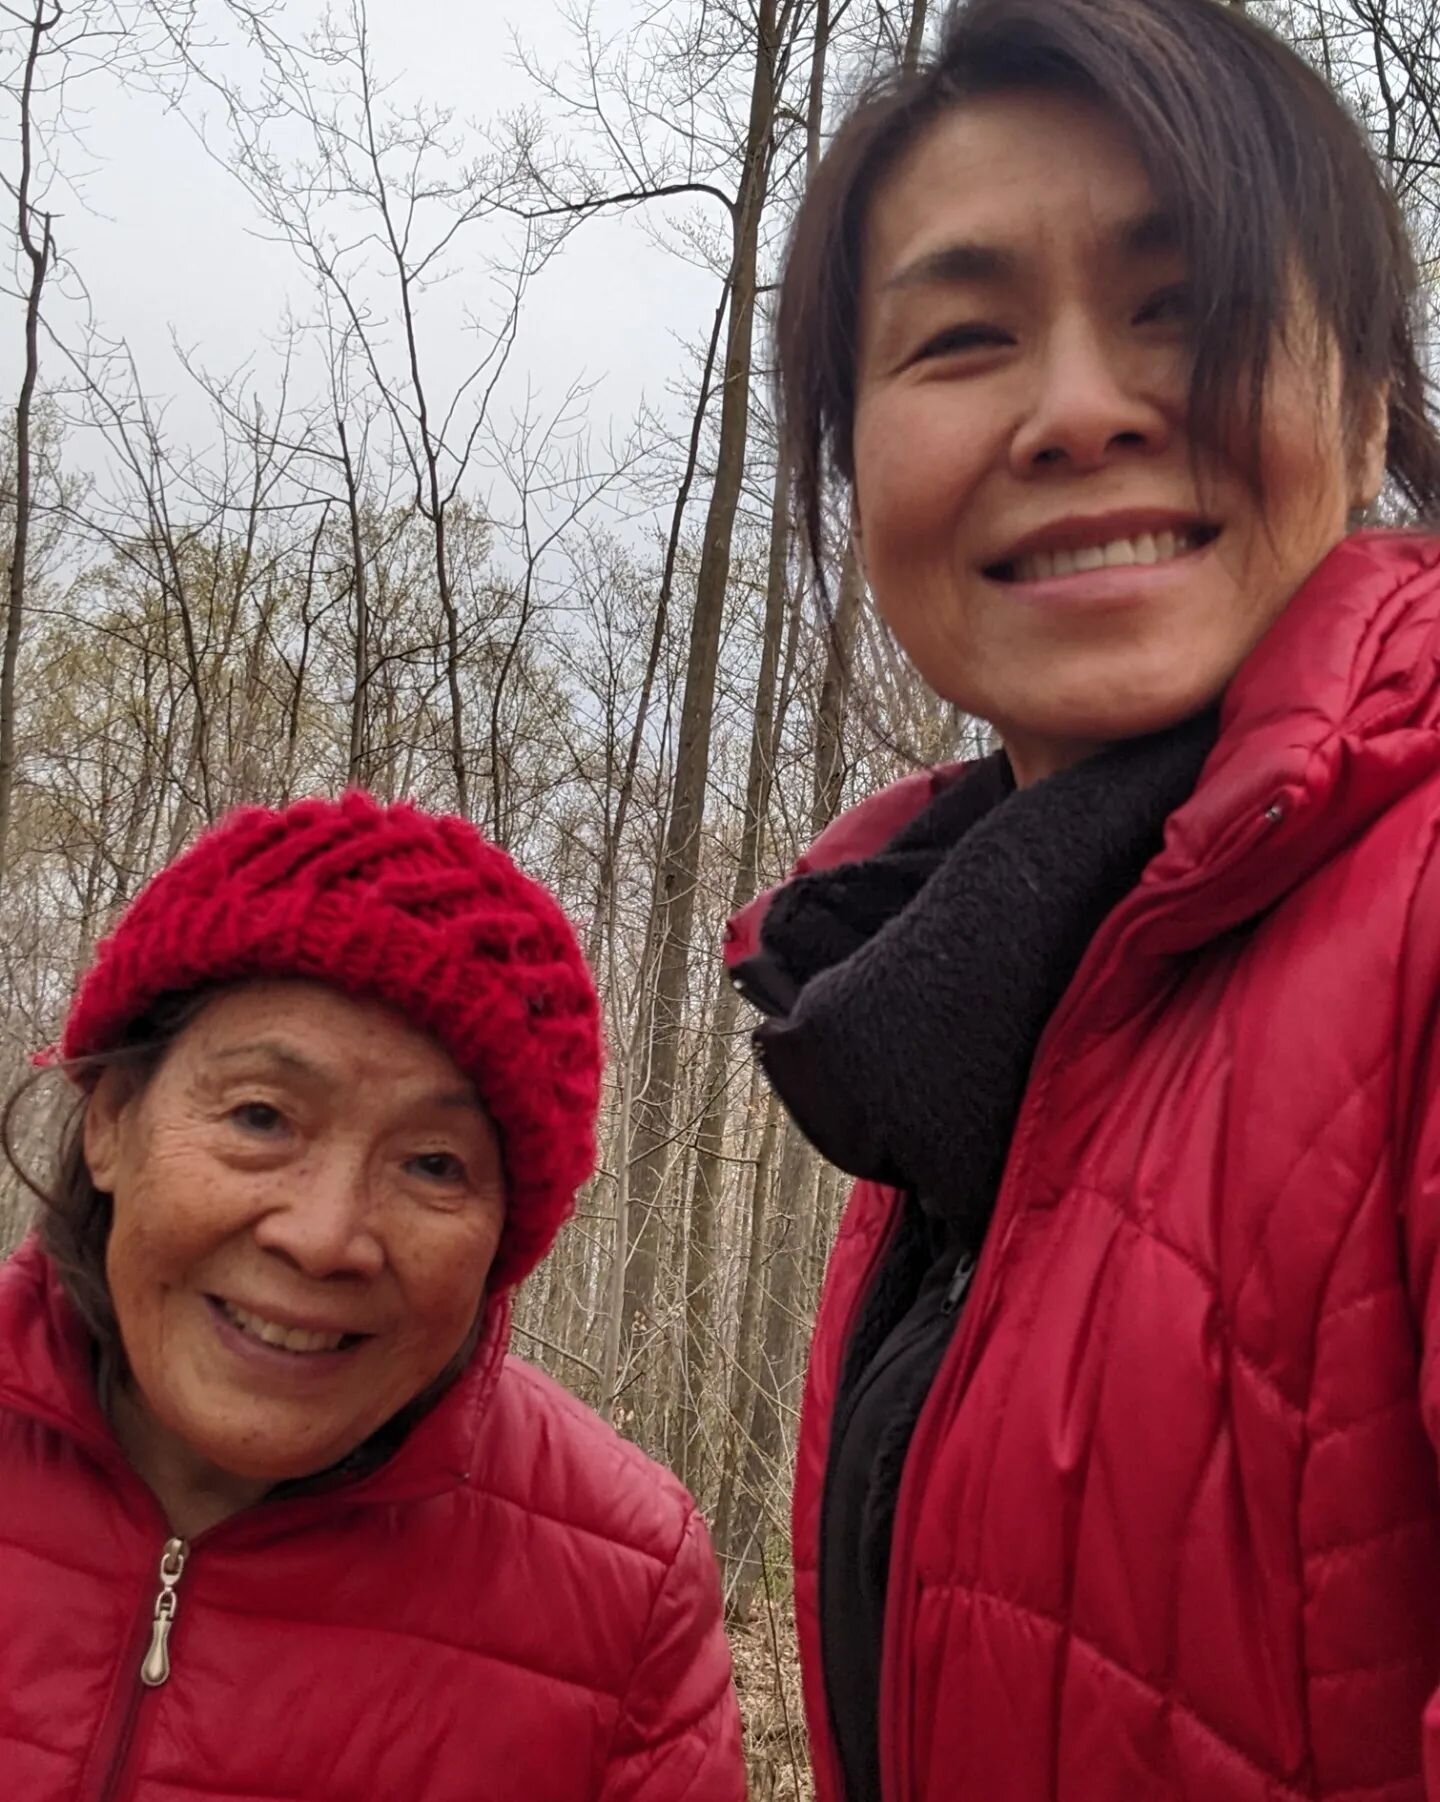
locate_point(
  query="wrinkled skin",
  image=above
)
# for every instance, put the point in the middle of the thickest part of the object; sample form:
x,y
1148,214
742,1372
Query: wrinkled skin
x,y
318,1162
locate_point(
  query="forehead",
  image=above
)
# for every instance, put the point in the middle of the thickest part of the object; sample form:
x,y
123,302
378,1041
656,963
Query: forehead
x,y
318,1027
1038,174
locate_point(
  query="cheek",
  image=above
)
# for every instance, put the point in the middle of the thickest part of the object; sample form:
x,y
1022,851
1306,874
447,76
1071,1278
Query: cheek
x,y
444,1270
920,459
169,1213
1306,472
141,1263
1306,466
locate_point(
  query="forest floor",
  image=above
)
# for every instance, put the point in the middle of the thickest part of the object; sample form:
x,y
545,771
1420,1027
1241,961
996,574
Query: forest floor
x,y
767,1677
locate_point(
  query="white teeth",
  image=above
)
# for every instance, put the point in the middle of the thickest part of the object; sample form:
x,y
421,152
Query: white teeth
x,y
294,1339
1162,547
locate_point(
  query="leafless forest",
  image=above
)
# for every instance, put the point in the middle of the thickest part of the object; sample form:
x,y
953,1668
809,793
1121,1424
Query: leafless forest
x,y
595,640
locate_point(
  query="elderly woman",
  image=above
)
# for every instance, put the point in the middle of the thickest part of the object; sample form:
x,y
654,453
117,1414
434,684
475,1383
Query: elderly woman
x,y
278,1516
1117,1468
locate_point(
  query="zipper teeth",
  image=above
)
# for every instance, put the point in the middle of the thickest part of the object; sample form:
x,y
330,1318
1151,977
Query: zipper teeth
x,y
121,1756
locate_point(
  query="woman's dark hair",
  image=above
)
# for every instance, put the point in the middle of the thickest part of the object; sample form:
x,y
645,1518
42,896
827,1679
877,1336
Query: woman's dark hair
x,y
74,1217
1258,166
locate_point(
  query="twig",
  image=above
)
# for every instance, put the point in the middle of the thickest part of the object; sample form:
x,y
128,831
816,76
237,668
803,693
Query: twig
x,y
559,1350
779,1678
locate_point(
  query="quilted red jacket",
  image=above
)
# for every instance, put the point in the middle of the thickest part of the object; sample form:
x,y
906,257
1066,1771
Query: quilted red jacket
x,y
1170,1522
517,1607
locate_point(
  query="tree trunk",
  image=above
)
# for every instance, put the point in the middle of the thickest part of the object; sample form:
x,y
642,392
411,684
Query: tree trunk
x,y
745,1383
38,254
452,645
610,850
830,708
615,1290
681,855
710,1140
915,37
773,1405
355,768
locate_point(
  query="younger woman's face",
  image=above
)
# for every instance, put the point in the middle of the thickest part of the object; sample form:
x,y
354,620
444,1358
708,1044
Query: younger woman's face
x,y
1028,511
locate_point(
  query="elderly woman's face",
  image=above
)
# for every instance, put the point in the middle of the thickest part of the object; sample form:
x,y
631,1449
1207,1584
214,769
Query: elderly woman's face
x,y
307,1201
1027,506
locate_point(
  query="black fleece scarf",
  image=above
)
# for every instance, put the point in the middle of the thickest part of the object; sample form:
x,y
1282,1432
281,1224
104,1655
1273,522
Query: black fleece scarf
x,y
909,990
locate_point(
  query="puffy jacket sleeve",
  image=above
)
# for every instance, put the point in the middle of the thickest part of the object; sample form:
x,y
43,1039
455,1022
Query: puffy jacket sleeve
x,y
1418,1071
678,1738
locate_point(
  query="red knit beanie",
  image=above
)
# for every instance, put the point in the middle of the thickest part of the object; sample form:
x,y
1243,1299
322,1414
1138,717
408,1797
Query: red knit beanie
x,y
394,905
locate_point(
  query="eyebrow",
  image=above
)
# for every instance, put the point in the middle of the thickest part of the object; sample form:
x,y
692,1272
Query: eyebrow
x,y
271,1051
295,1064
465,1100
956,266
968,263
1154,233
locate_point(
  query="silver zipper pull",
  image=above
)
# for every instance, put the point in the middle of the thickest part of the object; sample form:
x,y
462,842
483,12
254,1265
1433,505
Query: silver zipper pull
x,y
960,1282
156,1667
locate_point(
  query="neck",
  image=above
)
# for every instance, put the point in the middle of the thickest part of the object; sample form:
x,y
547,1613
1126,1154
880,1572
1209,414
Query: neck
x,y
194,1493
1032,759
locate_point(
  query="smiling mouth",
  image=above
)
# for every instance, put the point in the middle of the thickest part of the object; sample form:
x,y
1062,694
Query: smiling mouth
x,y
298,1340
1144,549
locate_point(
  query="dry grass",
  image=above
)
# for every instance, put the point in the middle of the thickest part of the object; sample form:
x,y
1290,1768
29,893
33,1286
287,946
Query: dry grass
x,y
767,1677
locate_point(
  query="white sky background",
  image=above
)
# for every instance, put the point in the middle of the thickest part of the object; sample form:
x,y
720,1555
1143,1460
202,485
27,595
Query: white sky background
x,y
165,240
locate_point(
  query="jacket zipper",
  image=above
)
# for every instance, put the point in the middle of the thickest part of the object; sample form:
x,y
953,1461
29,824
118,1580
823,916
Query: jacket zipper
x,y
152,1672
884,1239
960,1282
956,1368
148,1653
155,1669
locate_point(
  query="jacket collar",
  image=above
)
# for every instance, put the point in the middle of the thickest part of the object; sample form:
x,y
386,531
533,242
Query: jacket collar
x,y
47,1374
1331,720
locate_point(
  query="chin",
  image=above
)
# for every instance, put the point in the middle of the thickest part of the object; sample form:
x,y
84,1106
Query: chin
x,y
270,1462
1095,717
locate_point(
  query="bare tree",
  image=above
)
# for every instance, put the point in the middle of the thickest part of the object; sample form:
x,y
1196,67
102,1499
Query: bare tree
x,y
775,23
407,175
37,246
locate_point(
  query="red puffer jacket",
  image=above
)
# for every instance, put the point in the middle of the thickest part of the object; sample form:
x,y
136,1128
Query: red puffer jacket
x,y
1170,1522
517,1605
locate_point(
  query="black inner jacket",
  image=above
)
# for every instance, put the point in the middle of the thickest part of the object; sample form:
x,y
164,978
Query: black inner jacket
x,y
907,993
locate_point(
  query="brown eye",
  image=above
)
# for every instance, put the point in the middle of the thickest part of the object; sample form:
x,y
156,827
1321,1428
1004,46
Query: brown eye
x,y
439,1167
258,1118
958,338
1172,305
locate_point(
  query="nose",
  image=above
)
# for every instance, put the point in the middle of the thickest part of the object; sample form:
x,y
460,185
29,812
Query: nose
x,y
1091,403
323,1222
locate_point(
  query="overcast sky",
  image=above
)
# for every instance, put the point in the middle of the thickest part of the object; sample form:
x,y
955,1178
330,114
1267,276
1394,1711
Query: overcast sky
x,y
166,242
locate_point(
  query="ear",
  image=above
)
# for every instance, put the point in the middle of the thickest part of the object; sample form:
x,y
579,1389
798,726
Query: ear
x,y
1372,439
105,1115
